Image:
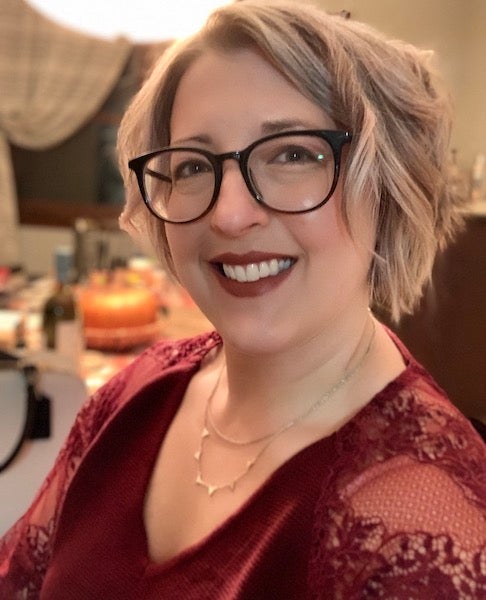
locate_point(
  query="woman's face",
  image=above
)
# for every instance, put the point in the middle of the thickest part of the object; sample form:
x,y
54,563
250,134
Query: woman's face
x,y
225,102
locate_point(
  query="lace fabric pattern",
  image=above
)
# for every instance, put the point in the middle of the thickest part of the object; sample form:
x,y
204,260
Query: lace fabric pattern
x,y
406,516
401,512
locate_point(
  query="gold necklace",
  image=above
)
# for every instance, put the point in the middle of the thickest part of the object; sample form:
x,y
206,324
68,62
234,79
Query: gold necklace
x,y
269,437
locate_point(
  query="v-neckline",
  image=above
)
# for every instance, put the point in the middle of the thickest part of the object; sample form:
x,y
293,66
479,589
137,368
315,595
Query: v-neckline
x,y
295,463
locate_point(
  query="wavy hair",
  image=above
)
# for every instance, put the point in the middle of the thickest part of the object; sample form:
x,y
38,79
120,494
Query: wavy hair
x,y
385,91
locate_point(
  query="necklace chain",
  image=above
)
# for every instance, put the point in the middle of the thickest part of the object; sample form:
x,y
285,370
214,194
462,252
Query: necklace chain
x,y
269,437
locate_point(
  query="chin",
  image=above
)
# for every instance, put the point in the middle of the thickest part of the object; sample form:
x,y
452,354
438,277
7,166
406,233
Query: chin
x,y
256,337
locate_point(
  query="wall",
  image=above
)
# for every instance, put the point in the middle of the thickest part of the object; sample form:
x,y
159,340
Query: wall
x,y
39,242
37,246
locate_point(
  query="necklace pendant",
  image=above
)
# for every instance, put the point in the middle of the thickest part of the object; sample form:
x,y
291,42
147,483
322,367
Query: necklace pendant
x,y
211,489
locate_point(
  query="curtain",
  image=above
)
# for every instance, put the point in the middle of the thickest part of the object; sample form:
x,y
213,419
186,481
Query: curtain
x,y
52,81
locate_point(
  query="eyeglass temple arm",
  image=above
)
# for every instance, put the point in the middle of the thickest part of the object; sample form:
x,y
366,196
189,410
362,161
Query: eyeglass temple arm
x,y
158,175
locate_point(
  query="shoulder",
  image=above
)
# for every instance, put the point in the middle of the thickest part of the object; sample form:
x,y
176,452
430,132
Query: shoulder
x,y
156,360
26,550
153,363
406,513
411,430
412,414
167,353
421,422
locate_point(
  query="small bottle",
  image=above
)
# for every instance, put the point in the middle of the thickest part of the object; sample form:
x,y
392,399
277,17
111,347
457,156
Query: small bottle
x,y
61,323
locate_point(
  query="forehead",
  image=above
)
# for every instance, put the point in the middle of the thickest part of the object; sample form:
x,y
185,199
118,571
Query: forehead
x,y
225,92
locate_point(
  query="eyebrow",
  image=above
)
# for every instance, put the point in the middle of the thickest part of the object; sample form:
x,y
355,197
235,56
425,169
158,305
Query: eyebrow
x,y
278,125
201,139
267,128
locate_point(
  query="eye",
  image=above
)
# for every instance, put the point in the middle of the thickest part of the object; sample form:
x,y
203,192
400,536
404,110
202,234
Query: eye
x,y
190,168
297,155
294,154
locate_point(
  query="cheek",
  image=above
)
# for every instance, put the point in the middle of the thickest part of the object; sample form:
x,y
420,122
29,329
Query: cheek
x,y
179,239
183,243
325,238
319,230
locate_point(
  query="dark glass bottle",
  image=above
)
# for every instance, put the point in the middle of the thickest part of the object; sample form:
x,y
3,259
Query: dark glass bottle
x,y
61,319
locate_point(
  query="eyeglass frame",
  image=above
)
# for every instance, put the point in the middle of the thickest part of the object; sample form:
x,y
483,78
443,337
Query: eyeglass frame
x,y
335,138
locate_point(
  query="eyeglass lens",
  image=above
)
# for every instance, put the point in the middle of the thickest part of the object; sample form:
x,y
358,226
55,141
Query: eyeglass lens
x,y
290,173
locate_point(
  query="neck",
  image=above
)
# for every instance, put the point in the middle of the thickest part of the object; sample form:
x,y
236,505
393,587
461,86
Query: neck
x,y
270,389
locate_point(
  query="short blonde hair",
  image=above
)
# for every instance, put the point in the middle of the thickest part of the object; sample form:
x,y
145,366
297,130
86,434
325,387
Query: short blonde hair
x,y
385,92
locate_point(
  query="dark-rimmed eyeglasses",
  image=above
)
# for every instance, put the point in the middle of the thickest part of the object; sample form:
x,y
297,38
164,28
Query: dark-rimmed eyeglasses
x,y
287,172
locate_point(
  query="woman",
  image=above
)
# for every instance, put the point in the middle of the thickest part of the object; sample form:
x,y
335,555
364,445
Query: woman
x,y
294,167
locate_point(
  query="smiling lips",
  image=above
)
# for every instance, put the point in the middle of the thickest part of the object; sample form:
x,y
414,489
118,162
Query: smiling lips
x,y
252,274
256,270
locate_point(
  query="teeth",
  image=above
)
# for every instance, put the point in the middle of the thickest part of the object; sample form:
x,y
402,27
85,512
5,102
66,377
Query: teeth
x,y
256,271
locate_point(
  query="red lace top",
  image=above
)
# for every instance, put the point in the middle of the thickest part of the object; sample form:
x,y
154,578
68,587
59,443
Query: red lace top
x,y
393,505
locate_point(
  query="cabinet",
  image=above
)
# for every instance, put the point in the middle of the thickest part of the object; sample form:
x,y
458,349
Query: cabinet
x,y
447,333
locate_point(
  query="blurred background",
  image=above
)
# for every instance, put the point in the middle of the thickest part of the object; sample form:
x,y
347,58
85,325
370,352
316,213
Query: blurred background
x,y
67,72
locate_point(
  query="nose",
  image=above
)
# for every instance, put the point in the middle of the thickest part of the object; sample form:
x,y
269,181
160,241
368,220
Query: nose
x,y
236,211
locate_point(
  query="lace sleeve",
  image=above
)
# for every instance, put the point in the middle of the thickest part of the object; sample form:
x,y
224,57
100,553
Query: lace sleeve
x,y
408,532
407,516
25,549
